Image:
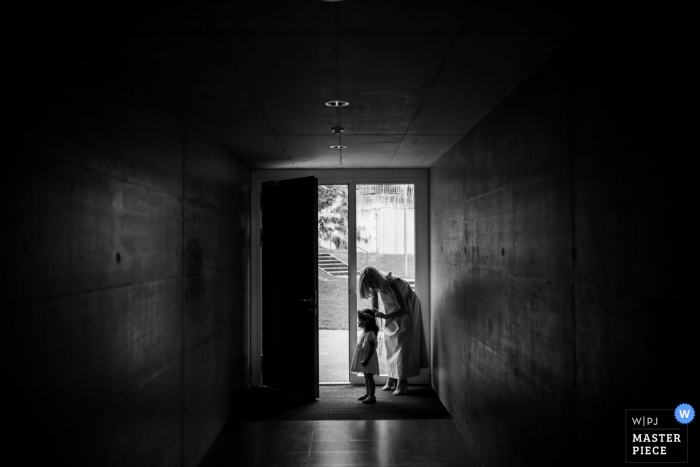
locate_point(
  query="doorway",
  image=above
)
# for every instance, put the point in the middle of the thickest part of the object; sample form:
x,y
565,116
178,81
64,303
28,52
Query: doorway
x,y
333,276
384,238
416,191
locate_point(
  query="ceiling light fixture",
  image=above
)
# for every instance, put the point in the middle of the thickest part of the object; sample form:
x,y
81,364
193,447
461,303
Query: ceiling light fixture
x,y
337,104
337,129
335,146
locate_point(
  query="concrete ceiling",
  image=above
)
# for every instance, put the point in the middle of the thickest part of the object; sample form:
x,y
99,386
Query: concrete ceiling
x,y
418,75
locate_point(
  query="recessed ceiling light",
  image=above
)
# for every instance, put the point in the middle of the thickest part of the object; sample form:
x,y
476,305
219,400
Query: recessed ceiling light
x,y
337,104
335,146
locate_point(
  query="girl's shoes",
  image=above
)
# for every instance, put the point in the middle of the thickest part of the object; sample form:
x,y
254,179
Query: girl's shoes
x,y
370,400
361,398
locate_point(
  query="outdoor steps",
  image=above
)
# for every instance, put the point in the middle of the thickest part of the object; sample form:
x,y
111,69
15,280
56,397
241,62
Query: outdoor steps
x,y
336,267
332,265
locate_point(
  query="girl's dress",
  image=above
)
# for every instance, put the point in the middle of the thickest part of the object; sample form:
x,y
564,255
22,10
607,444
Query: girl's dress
x,y
361,353
404,337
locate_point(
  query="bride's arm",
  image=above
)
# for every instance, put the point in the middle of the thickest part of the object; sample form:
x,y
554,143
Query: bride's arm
x,y
402,309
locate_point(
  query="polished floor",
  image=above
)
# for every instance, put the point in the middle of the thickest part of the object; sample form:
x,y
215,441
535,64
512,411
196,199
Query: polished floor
x,y
407,443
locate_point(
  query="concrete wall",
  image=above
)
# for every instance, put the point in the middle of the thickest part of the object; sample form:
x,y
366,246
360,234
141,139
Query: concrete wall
x,y
128,251
558,271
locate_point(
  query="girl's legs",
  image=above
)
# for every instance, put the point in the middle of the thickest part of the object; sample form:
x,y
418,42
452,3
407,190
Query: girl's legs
x,y
370,385
366,395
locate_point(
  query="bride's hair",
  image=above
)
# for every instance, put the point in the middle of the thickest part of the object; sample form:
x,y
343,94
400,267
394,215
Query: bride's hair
x,y
378,280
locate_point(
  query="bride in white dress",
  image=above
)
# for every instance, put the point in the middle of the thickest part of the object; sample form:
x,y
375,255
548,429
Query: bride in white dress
x,y
404,336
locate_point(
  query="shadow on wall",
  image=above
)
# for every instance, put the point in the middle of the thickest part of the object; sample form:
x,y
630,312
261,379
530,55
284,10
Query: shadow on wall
x,y
193,267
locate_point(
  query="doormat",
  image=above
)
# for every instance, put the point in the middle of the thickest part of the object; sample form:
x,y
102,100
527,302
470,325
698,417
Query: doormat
x,y
339,402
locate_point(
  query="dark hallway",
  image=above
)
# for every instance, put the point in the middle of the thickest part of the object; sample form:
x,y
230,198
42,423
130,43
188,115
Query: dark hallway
x,y
554,139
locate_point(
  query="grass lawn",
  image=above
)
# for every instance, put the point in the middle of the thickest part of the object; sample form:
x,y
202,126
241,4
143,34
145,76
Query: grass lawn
x,y
333,291
332,301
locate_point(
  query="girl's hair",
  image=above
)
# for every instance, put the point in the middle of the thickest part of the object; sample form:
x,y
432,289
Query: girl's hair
x,y
368,316
378,280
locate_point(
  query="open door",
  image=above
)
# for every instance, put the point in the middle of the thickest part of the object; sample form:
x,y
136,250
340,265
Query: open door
x,y
290,286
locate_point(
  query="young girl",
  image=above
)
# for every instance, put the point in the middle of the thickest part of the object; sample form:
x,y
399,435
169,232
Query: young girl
x,y
365,358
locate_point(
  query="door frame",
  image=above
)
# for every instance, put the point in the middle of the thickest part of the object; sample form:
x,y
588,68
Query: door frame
x,y
351,177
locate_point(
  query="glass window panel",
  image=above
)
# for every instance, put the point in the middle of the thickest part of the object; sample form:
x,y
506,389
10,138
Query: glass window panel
x,y
385,236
